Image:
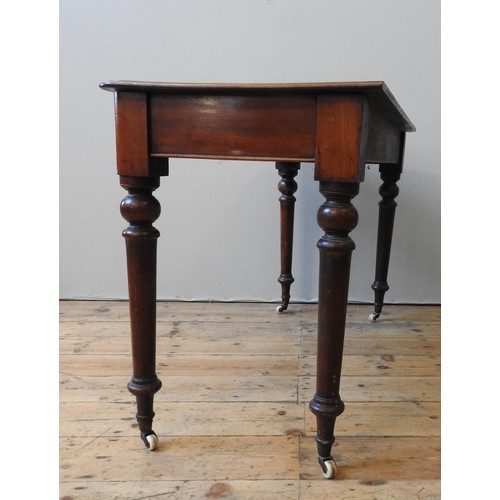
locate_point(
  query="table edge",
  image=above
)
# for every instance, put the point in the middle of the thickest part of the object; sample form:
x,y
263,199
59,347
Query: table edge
x,y
377,91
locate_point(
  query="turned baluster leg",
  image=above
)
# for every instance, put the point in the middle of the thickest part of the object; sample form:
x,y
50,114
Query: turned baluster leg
x,y
337,217
140,208
389,174
287,187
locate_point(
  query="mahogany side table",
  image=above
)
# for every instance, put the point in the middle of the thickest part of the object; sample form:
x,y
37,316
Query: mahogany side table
x,y
339,127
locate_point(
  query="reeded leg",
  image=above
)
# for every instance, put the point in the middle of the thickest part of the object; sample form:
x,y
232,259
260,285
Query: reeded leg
x,y
389,174
337,217
287,187
141,209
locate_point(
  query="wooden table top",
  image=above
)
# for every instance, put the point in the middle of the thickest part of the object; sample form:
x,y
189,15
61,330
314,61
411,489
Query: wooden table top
x,y
377,92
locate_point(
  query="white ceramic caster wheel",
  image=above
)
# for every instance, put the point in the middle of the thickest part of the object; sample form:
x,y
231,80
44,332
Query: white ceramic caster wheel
x,y
152,440
330,469
373,317
280,309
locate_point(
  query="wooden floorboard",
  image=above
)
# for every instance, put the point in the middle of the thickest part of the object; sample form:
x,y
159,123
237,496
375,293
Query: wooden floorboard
x,y
233,415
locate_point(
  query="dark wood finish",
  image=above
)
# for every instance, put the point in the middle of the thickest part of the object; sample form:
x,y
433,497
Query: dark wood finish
x,y
215,127
339,126
389,174
132,137
384,142
140,208
378,94
337,217
160,120
287,186
132,152
342,129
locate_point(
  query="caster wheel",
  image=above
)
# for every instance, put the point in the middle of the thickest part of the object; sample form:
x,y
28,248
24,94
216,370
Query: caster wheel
x,y
151,441
329,468
373,317
280,309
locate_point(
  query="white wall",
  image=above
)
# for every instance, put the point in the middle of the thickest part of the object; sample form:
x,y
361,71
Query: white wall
x,y
219,221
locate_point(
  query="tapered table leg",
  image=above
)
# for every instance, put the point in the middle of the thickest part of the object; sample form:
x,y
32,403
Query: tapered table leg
x,y
389,174
287,186
337,217
141,209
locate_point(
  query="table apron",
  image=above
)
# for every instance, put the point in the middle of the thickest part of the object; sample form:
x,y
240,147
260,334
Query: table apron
x,y
251,127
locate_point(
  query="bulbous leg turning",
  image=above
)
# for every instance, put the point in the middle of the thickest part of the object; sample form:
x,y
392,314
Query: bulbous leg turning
x,y
337,217
389,174
141,209
287,187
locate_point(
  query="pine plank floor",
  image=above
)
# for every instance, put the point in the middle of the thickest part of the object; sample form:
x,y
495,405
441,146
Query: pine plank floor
x,y
232,415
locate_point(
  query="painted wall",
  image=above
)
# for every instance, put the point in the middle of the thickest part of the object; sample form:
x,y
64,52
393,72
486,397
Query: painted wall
x,y
219,222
